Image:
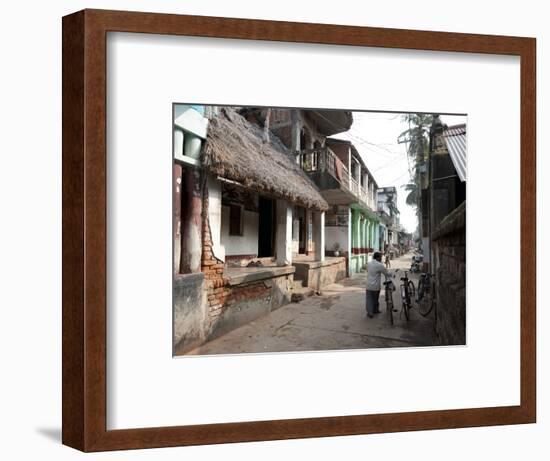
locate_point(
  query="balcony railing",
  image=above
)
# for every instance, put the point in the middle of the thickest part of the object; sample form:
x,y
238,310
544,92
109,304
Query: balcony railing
x,y
355,187
324,159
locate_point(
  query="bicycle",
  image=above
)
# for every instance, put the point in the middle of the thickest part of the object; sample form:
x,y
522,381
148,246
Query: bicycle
x,y
407,294
389,288
425,288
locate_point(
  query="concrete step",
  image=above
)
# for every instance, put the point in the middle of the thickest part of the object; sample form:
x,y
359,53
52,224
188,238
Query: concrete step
x,y
299,294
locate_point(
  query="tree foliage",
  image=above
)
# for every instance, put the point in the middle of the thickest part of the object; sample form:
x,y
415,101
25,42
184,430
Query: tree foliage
x,y
413,195
416,136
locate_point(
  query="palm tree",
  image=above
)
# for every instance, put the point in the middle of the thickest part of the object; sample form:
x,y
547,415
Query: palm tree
x,y
417,138
417,135
412,196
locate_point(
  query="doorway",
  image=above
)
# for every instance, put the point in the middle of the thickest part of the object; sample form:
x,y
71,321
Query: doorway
x,y
302,230
266,226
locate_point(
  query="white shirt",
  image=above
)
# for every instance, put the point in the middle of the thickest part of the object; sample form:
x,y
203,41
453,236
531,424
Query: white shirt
x,y
374,271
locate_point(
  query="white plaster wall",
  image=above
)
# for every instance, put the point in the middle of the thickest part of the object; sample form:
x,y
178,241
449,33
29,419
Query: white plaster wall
x,y
295,236
283,235
215,217
246,244
319,235
335,234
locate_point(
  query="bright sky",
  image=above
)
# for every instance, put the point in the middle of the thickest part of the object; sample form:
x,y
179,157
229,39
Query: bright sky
x,y
374,134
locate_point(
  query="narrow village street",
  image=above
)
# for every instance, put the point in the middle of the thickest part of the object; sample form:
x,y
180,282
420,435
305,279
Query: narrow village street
x,y
334,320
278,212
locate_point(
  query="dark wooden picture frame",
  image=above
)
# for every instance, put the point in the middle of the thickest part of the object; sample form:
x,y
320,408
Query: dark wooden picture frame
x,y
85,223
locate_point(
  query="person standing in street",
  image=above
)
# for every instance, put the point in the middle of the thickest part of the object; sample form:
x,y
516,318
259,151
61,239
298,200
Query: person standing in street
x,y
387,257
375,269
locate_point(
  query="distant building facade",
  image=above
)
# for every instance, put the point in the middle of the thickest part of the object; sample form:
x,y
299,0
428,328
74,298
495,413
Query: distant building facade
x,y
352,224
389,216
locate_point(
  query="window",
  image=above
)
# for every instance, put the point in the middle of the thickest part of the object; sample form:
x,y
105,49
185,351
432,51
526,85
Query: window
x,y
235,220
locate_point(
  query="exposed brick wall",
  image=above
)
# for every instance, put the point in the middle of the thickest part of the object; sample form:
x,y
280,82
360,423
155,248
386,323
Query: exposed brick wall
x,y
212,267
207,306
219,295
450,270
249,291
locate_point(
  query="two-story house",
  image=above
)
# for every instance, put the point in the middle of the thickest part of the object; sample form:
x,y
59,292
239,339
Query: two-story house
x,y
345,182
305,133
389,217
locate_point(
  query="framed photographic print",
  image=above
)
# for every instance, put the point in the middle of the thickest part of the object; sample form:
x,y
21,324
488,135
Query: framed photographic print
x,y
279,230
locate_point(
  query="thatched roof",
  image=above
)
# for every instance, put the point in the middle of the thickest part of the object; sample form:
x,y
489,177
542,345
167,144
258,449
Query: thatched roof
x,y
235,150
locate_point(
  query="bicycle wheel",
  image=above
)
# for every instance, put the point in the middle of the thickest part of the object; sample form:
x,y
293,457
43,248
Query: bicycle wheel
x,y
404,302
389,308
412,291
426,306
421,285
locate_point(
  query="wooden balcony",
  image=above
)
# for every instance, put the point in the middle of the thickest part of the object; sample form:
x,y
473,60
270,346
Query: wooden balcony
x,y
333,178
324,160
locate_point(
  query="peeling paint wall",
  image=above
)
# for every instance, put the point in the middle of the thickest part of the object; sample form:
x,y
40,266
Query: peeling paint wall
x,y
189,311
336,235
317,275
247,302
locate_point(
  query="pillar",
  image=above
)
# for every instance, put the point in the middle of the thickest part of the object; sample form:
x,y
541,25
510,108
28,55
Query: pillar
x,y
284,233
364,234
365,230
176,222
191,222
319,234
349,242
371,233
368,232
365,243
356,230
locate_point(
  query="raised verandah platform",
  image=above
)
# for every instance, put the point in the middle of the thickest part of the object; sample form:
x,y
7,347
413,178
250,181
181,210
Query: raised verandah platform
x,y
316,274
313,273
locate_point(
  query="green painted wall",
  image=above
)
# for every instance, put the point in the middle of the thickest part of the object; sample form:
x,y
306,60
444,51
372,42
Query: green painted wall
x,y
364,234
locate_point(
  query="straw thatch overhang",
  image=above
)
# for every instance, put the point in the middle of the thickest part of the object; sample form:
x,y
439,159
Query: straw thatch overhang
x,y
235,149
